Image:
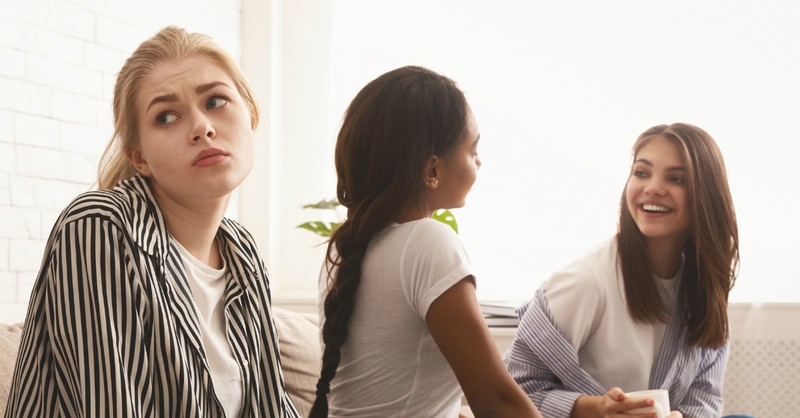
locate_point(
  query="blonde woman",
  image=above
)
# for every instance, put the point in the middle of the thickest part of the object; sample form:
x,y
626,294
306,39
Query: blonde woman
x,y
149,303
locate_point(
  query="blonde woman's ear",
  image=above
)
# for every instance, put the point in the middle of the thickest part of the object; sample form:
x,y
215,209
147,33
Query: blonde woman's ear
x,y
138,163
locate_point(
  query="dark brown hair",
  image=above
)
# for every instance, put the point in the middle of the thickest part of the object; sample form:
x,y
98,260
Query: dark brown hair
x,y
711,251
391,128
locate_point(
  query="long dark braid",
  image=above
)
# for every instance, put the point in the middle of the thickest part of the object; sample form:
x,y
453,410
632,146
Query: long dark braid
x,y
394,124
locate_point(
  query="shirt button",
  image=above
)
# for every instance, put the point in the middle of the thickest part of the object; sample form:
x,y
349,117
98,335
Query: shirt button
x,y
245,363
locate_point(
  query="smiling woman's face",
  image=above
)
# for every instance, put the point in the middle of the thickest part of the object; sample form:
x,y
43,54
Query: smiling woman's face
x,y
657,191
195,134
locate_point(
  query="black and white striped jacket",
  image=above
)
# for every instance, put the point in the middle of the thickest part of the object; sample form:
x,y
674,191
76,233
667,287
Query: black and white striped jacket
x,y
111,330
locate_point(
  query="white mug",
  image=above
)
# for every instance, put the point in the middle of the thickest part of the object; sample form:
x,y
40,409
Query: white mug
x,y
660,406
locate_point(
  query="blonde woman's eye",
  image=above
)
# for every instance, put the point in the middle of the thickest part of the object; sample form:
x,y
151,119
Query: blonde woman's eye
x,y
165,118
216,102
678,180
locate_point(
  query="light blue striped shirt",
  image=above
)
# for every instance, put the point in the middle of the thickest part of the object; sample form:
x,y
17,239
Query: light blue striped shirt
x,y
547,368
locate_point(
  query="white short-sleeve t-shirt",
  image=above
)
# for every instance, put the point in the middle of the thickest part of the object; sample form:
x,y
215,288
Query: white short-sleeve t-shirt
x,y
390,365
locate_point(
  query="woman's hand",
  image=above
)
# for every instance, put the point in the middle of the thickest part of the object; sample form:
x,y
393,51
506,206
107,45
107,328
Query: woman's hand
x,y
675,414
613,404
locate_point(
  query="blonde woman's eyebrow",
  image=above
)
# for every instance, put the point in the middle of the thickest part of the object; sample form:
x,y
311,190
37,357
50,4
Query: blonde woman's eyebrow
x,y
167,98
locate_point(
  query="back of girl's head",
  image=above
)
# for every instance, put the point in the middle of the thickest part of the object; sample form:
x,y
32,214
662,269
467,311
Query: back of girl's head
x,y
392,126
712,247
390,130
169,44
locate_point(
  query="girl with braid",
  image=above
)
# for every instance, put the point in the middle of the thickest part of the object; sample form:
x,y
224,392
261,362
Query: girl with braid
x,y
402,330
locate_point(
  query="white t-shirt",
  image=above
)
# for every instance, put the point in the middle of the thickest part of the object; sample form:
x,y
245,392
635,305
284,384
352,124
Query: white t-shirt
x,y
208,291
587,300
390,365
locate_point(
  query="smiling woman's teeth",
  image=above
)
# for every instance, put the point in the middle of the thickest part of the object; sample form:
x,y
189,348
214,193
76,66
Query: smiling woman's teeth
x,y
654,208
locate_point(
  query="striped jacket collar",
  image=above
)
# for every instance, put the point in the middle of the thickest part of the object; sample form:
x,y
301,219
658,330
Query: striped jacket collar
x,y
149,230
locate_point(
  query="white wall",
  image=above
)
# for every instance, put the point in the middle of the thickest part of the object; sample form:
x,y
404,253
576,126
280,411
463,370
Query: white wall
x,y
58,61
294,165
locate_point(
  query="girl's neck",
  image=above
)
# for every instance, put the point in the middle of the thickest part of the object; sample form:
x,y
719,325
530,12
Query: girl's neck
x,y
411,213
666,256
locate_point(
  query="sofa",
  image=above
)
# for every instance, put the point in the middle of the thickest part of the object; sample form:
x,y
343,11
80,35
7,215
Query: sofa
x,y
300,357
762,377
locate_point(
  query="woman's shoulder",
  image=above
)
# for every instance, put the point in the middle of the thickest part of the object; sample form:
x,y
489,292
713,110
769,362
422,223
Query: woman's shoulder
x,y
592,269
128,206
416,234
427,228
98,204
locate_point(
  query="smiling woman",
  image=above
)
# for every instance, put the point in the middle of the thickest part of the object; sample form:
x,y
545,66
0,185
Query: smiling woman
x,y
675,256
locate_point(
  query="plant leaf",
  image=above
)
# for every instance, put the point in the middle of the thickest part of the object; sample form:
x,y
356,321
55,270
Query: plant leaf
x,y
323,204
446,217
320,228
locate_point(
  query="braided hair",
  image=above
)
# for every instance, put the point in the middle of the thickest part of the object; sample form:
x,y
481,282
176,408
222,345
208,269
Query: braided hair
x,y
391,128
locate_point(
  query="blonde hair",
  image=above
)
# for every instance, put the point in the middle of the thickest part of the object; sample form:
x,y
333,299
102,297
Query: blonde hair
x,y
169,44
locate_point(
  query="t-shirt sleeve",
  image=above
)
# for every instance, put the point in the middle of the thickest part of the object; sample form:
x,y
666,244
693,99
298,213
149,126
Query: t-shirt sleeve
x,y
576,300
433,260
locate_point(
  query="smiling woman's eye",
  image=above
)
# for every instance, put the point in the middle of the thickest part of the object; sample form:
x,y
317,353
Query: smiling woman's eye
x,y
165,118
678,180
639,173
216,102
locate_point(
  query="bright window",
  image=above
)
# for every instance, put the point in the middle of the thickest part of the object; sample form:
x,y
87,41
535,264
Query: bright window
x,y
561,90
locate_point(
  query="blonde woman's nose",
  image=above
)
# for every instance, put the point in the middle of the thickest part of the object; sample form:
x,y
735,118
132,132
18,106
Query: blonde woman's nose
x,y
202,128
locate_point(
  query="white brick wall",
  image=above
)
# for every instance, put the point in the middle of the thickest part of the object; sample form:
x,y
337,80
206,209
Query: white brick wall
x,y
58,62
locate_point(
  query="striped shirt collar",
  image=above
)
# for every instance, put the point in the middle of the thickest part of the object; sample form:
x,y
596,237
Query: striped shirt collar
x,y
152,237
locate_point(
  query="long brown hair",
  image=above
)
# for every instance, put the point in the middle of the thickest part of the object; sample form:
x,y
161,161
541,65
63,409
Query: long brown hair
x,y
711,251
170,43
391,128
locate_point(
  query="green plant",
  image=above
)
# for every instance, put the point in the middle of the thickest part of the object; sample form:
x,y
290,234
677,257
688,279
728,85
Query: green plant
x,y
326,228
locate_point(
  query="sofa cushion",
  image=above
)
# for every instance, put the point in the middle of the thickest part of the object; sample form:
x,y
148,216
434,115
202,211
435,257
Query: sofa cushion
x,y
301,357
9,345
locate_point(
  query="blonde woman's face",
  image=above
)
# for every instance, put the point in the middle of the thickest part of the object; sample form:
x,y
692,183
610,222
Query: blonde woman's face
x,y
195,134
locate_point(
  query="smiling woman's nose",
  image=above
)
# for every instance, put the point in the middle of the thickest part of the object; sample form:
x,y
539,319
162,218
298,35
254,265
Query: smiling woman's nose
x,y
654,187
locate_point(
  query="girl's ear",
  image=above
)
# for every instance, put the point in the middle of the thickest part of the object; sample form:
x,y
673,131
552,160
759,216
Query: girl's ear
x,y
139,163
433,170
